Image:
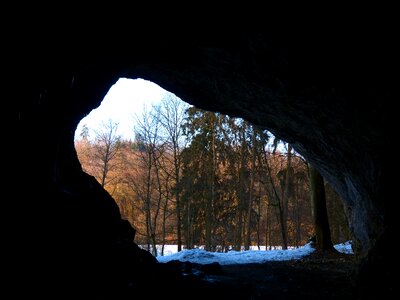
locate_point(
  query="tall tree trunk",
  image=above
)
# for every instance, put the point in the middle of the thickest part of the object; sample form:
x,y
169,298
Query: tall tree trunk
x,y
274,194
164,219
298,223
241,195
158,207
286,192
251,192
283,228
210,200
104,175
259,223
178,201
208,224
238,227
148,204
189,227
319,211
267,228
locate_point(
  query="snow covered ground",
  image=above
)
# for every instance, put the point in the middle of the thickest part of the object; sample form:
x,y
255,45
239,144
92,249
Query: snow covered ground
x,y
243,257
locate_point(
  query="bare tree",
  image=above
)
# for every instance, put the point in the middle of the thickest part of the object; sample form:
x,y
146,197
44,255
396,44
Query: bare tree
x,y
251,188
150,151
171,116
105,151
287,190
275,199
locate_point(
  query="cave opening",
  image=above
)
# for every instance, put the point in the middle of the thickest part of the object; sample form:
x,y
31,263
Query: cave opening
x,y
163,151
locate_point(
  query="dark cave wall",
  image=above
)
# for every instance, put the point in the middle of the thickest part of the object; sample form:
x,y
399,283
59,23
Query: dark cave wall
x,y
334,112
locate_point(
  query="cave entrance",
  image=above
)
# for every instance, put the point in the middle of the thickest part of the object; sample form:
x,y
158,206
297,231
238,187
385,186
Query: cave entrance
x,y
188,178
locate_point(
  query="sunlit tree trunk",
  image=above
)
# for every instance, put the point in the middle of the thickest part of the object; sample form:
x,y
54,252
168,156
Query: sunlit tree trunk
x,y
164,216
148,202
178,201
157,208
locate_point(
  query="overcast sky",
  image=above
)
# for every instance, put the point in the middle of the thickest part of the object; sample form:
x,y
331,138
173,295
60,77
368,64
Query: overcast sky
x,y
124,99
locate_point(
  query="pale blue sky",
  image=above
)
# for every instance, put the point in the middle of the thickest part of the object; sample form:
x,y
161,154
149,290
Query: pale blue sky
x,y
125,98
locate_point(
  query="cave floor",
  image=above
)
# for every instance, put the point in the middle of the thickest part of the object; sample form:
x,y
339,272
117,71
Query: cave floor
x,y
317,276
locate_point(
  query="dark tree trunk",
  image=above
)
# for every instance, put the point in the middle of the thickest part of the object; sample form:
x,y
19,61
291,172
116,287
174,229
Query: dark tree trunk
x,y
319,211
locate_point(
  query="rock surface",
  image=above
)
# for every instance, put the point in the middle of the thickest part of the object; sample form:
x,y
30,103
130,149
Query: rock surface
x,y
331,98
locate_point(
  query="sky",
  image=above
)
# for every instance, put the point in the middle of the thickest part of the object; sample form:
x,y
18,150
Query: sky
x,y
125,98
244,257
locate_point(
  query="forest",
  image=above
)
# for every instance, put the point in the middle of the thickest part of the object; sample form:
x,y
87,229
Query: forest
x,y
192,177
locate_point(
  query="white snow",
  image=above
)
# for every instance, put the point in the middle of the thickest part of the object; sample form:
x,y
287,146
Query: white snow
x,y
344,247
245,257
